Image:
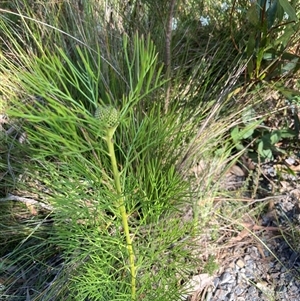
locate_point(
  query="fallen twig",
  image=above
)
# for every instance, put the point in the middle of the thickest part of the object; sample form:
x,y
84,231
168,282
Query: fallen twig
x,y
29,202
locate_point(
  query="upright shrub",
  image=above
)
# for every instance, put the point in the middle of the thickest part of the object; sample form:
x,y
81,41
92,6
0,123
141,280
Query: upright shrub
x,y
99,195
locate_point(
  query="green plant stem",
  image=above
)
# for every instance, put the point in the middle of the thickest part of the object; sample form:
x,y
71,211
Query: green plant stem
x,y
121,206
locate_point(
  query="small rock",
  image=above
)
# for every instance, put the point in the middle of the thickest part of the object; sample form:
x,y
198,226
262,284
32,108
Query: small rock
x,y
240,263
241,277
263,286
294,288
247,257
220,294
226,278
229,285
239,290
290,161
216,281
275,275
230,297
283,270
250,262
271,171
231,265
237,171
249,275
252,290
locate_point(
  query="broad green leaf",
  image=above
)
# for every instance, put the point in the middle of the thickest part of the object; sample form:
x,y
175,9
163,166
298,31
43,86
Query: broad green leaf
x,y
253,16
250,52
290,94
291,66
288,133
270,55
260,147
235,134
248,115
272,13
266,141
250,68
259,58
285,37
275,137
248,133
239,146
265,153
279,13
289,9
251,44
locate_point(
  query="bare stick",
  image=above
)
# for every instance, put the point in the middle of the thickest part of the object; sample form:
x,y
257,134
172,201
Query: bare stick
x,y
27,201
168,57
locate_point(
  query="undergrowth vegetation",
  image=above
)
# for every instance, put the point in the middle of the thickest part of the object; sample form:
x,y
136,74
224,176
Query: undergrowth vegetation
x,y
119,122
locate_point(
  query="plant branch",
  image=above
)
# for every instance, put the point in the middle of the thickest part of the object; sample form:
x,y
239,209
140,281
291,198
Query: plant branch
x,y
121,205
26,201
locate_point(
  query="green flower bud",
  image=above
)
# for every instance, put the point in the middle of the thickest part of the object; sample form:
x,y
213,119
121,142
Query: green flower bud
x,y
108,116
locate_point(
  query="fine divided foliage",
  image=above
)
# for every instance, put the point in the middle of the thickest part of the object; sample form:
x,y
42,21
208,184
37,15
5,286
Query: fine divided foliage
x,y
118,123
